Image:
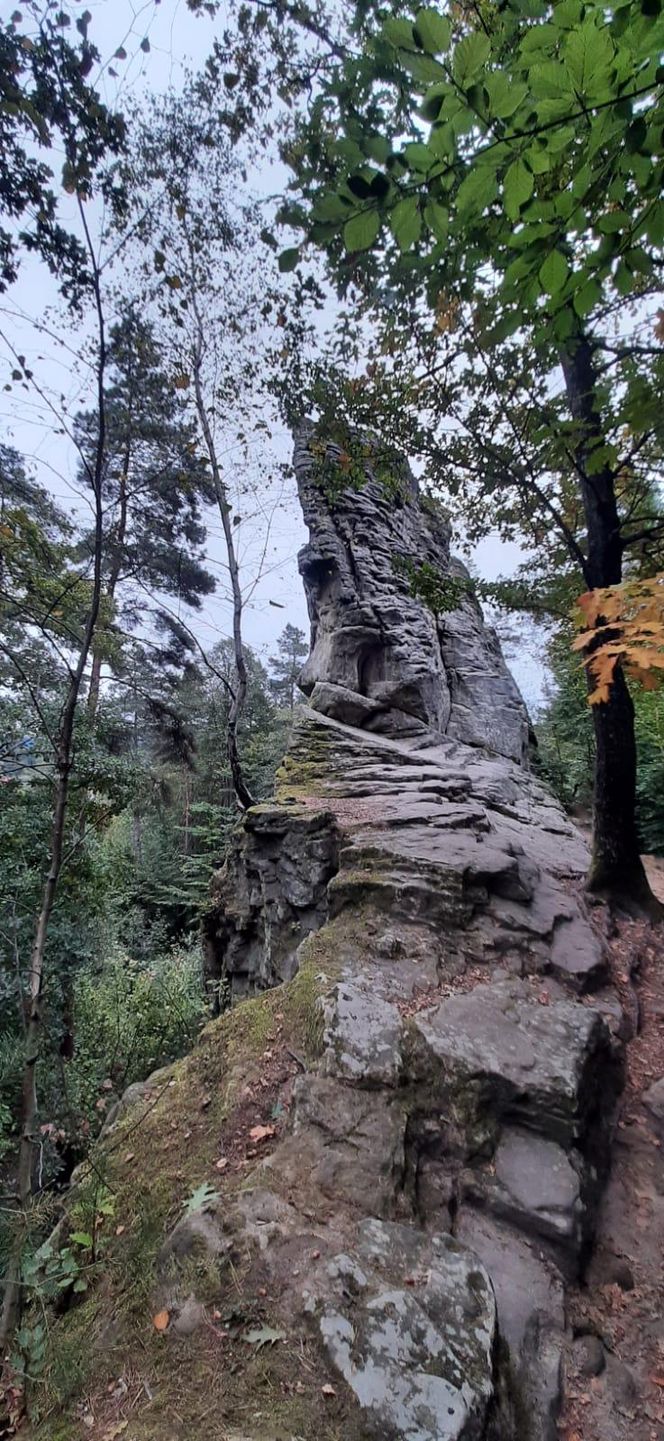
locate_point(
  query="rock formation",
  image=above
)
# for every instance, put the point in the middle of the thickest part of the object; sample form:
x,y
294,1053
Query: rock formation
x,y
469,1060
398,1154
379,659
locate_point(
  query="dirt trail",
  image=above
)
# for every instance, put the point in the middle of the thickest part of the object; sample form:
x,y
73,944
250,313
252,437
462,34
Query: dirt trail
x,y
616,1368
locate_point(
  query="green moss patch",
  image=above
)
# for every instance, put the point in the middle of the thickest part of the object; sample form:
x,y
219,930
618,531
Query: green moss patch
x,y
198,1112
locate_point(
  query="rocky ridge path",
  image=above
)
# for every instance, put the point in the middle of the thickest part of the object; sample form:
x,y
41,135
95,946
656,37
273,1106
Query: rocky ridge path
x,y
471,1054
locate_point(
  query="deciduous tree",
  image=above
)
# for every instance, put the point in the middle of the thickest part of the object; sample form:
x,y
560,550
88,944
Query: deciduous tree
x,y
493,174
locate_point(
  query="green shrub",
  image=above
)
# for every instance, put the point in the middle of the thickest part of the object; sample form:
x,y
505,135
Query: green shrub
x,y
129,1019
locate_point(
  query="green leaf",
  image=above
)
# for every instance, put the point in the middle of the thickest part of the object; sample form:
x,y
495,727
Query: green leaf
x,y
654,225
563,324
399,33
560,139
360,185
588,54
505,95
441,141
612,222
203,1196
506,326
423,68
539,37
329,207
551,81
566,14
433,31
635,135
539,161
553,272
81,1238
432,102
437,219
518,188
406,223
361,230
377,147
587,297
476,191
288,260
349,151
419,156
470,55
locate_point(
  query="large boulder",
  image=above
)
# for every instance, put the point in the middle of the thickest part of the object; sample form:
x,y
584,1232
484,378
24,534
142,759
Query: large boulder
x,y
409,1322
504,1054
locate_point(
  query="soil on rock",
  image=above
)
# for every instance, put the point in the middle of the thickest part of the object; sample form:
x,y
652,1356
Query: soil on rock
x,y
618,1314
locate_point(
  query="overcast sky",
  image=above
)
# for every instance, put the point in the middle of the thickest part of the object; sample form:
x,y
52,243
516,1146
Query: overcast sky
x,y
177,41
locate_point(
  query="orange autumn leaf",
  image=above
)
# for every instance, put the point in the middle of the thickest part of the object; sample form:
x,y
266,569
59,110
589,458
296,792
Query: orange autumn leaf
x,y
622,625
161,1321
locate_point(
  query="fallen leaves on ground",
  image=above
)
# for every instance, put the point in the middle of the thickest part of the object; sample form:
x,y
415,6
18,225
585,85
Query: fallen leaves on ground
x,y
264,1336
261,1133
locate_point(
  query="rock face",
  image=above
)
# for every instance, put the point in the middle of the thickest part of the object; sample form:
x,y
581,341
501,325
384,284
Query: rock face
x,y
444,1143
270,895
379,659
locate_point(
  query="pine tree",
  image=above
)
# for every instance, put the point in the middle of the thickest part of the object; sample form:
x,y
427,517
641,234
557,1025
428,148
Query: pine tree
x,y
154,486
286,666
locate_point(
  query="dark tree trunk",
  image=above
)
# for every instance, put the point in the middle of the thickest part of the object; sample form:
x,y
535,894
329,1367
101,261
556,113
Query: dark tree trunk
x,y
616,867
616,870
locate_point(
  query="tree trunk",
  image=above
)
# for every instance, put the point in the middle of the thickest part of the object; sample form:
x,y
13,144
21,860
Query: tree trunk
x,y
239,693
616,870
93,688
117,542
64,753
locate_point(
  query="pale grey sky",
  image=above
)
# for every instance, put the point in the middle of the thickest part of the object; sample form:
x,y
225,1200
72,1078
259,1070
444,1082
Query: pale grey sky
x,y
177,41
